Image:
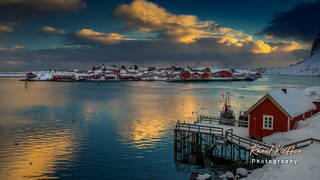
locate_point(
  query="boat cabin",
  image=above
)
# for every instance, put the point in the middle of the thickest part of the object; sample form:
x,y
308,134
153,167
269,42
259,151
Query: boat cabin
x,y
278,111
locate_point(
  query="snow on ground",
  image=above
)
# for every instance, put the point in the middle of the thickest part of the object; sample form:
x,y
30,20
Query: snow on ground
x,y
309,128
310,66
313,93
288,101
307,167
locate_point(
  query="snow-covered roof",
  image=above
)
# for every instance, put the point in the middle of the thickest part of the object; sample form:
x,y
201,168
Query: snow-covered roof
x,y
244,71
293,101
313,93
214,70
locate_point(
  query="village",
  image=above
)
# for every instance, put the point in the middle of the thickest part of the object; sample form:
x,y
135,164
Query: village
x,y
275,123
114,73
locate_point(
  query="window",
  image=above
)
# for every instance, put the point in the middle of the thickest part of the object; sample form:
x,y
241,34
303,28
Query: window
x,y
267,122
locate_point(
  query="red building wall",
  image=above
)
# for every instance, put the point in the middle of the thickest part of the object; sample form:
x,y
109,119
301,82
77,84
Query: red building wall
x,y
207,70
225,74
204,76
186,75
267,107
300,117
318,107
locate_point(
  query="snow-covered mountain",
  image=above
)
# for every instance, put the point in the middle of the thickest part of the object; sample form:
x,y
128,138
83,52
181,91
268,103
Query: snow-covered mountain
x,y
309,66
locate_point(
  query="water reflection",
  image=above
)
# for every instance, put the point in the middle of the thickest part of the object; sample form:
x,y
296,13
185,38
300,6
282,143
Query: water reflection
x,y
113,123
36,155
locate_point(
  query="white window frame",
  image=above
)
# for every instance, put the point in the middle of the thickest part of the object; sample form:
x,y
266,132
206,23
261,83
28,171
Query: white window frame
x,y
269,118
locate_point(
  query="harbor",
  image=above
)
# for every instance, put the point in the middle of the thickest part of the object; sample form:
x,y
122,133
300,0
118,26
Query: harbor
x,y
228,146
159,90
81,125
105,73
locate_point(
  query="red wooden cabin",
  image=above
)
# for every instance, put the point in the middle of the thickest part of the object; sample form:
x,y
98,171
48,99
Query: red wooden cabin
x,y
186,75
196,75
278,111
204,75
207,70
317,103
224,73
31,75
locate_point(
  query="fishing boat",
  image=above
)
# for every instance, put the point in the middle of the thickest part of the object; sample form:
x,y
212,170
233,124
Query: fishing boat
x,y
226,115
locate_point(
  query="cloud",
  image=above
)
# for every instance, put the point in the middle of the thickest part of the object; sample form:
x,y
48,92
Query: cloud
x,y
299,23
86,36
149,17
14,48
8,26
246,41
147,53
235,38
52,31
44,5
12,62
91,37
260,47
288,46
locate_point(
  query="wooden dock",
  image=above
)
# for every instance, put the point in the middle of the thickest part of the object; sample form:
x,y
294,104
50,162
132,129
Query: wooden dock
x,y
196,144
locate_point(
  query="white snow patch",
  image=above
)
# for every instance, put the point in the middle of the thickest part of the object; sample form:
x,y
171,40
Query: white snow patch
x,y
229,175
242,172
307,167
307,67
204,176
294,102
313,93
309,128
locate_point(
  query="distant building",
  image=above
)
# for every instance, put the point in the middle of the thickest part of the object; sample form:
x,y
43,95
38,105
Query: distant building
x,y
221,73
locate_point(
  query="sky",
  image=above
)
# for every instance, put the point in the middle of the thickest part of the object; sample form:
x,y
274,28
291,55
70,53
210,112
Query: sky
x,y
77,34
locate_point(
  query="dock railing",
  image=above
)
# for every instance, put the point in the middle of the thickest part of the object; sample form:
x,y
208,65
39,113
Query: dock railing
x,y
302,143
198,128
214,119
244,142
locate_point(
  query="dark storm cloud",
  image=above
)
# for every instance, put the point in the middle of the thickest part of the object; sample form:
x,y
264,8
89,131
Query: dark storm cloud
x,y
145,53
299,23
43,5
22,12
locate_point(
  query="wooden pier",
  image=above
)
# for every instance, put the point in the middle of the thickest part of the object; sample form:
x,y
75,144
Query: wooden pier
x,y
241,122
198,144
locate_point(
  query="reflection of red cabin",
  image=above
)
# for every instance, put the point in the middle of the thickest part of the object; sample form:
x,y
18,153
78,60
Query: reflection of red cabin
x,y
98,76
186,75
224,73
110,76
63,77
278,111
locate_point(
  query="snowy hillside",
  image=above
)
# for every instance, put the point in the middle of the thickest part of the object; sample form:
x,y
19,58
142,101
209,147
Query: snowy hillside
x,y
310,66
307,166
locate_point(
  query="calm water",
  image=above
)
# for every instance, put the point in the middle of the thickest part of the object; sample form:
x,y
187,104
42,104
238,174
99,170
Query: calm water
x,y
109,130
